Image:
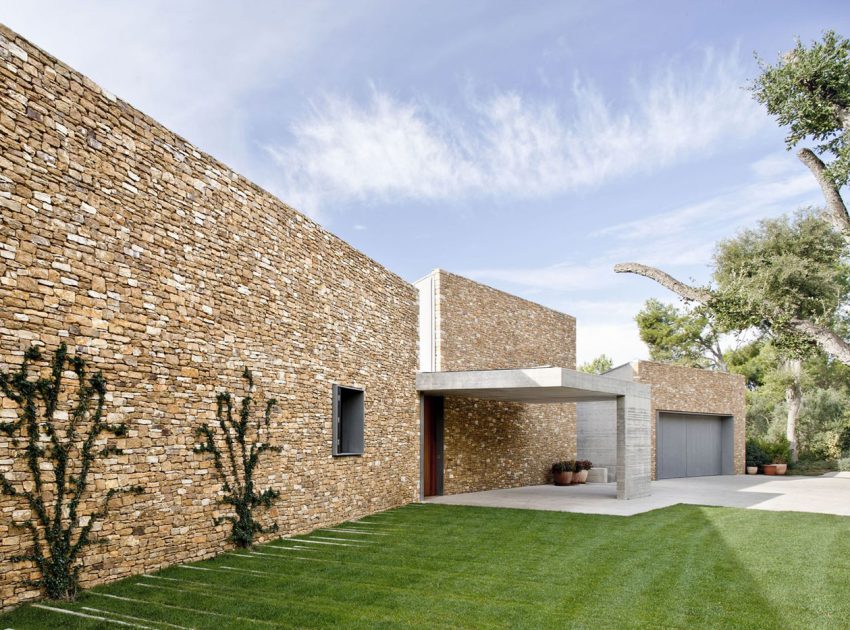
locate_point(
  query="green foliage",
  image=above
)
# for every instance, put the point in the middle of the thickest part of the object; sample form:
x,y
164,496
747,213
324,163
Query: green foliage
x,y
825,410
567,465
808,90
843,441
844,464
59,451
755,361
683,337
236,453
783,270
823,417
756,455
599,365
777,450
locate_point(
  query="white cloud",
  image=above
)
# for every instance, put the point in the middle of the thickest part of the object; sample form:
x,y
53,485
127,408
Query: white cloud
x,y
512,145
557,277
191,64
680,241
744,204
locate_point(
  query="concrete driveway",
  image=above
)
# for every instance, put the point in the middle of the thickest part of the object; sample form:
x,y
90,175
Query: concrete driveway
x,y
827,494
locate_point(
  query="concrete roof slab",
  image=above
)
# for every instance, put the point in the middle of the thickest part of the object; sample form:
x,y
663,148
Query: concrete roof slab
x,y
530,385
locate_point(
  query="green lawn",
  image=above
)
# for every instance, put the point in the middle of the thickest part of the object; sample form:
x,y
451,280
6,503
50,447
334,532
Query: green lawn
x,y
446,566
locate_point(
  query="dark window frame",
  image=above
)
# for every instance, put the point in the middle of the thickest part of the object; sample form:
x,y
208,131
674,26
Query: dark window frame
x,y
349,421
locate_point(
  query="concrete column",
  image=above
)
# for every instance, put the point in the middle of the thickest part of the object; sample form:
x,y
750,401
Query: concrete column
x,y
634,445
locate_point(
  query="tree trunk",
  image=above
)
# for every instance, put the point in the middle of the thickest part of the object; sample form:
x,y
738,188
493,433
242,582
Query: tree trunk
x,y
793,399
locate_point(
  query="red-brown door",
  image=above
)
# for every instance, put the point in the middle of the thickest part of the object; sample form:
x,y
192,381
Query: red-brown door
x,y
432,482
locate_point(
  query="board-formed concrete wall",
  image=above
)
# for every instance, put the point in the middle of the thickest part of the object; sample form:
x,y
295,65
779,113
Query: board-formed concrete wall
x,y
491,444
674,389
170,273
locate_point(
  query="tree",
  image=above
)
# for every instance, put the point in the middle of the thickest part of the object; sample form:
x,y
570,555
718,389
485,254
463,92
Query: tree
x,y
807,90
823,386
599,365
242,446
683,337
60,451
784,271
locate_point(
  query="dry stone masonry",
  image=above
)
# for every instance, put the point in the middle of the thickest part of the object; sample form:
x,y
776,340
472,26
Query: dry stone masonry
x,y
170,272
689,390
492,444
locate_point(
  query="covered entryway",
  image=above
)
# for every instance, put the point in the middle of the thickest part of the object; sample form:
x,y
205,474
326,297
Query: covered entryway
x,y
548,385
693,445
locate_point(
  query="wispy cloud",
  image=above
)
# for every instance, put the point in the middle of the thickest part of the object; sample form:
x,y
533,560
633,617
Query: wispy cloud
x,y
564,276
191,65
510,144
681,237
681,241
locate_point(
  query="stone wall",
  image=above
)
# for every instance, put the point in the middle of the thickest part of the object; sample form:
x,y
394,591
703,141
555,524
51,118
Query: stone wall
x,y
690,390
170,272
481,328
491,444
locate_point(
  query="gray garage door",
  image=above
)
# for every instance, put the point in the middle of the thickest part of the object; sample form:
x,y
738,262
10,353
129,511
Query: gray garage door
x,y
689,445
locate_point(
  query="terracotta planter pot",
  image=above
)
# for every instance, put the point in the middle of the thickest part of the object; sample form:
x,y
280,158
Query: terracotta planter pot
x,y
781,469
769,469
582,476
563,478
752,470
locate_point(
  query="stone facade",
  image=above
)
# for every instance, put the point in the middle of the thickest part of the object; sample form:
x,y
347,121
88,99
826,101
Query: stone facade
x,y
691,390
481,328
491,444
169,272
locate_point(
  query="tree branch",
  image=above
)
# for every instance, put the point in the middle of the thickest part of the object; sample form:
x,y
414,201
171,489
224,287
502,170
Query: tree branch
x,y
667,281
838,215
828,340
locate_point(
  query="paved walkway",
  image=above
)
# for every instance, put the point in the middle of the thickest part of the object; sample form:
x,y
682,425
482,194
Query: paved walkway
x,y
827,494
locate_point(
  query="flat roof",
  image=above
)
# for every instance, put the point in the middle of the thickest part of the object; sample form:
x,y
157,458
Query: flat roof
x,y
531,385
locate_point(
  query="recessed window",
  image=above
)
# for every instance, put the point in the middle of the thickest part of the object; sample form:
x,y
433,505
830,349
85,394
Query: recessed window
x,y
348,412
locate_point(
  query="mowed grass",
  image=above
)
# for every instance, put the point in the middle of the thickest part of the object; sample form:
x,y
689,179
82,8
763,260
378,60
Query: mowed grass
x,y
446,566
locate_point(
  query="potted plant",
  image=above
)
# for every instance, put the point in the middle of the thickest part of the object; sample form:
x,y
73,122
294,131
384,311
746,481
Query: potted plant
x,y
777,453
563,472
756,457
581,468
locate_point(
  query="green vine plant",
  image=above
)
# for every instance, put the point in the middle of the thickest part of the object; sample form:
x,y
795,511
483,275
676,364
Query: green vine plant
x,y
236,447
58,451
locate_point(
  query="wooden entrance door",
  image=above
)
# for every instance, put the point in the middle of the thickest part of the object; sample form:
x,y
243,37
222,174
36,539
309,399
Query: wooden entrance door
x,y
432,482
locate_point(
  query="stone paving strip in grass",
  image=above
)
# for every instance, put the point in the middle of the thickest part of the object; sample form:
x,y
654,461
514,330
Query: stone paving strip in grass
x,y
463,567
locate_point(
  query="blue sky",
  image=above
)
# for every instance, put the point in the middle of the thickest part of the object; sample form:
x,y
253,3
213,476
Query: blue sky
x,y
530,146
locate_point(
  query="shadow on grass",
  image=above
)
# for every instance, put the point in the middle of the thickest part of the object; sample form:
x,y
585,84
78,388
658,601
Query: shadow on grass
x,y
449,566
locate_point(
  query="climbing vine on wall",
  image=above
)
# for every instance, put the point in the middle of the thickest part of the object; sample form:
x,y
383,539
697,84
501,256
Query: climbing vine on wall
x,y
58,449
236,446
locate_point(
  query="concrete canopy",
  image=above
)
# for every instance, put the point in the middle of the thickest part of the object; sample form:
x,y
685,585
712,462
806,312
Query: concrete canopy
x,y
561,385
530,385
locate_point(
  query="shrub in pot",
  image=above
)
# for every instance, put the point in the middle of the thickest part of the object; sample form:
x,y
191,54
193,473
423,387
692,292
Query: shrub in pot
x,y
563,472
778,454
756,456
582,466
